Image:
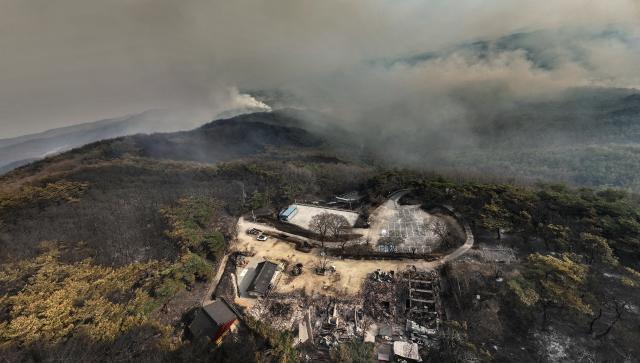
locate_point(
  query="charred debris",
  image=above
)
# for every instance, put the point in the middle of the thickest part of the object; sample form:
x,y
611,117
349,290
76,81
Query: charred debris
x,y
397,311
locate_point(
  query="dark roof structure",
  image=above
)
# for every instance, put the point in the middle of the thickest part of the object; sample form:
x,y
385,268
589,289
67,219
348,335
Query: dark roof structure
x,y
264,273
209,320
220,312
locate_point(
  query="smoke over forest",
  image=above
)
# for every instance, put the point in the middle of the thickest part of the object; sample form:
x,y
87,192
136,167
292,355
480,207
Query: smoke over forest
x,y
428,80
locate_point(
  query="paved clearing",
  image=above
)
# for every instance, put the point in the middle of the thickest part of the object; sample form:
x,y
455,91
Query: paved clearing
x,y
402,228
410,228
306,213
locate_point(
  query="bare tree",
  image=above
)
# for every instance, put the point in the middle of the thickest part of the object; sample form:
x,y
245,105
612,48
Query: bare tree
x,y
439,228
619,308
328,225
320,226
441,231
339,225
360,241
323,263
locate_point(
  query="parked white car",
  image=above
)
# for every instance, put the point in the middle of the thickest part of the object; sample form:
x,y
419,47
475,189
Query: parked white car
x,y
262,237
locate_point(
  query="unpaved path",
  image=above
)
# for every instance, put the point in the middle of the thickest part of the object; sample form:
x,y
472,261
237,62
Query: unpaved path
x,y
245,225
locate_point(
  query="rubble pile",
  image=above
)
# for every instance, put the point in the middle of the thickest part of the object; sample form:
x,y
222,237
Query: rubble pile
x,y
380,297
278,308
400,312
406,311
337,322
297,269
282,313
424,308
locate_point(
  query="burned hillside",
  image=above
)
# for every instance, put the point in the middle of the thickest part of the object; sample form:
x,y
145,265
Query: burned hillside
x,y
550,265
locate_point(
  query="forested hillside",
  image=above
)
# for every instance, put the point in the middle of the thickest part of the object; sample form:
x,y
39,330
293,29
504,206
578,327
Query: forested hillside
x,y
105,249
577,282
590,138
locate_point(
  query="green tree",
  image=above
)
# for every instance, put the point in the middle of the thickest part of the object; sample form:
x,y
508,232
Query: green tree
x,y
598,250
455,345
548,282
258,200
556,236
493,217
281,342
214,245
190,224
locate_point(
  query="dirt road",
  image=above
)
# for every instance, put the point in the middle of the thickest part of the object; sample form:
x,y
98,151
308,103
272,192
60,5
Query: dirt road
x,y
245,225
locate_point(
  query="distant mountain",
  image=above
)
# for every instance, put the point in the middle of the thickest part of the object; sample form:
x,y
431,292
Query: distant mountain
x,y
15,151
228,139
268,134
588,137
16,164
544,48
18,151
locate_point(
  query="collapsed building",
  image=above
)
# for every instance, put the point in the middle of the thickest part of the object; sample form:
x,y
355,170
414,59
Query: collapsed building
x,y
400,313
424,308
406,351
406,312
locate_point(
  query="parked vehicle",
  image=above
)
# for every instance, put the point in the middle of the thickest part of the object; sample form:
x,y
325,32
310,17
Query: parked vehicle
x,y
304,246
262,237
254,231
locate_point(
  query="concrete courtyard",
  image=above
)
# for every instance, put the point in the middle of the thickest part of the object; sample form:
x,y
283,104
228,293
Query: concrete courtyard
x,y
306,213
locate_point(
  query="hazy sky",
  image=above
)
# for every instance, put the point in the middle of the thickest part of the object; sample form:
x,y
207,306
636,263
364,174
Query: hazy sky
x,y
70,61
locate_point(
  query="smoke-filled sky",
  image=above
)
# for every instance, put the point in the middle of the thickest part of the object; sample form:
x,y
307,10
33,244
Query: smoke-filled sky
x,y
373,62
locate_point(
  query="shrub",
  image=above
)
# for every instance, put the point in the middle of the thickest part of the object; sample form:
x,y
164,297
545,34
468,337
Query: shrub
x,y
353,352
213,245
194,268
190,221
281,342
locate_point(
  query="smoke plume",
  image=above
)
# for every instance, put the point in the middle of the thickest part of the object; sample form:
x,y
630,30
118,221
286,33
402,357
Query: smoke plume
x,y
409,67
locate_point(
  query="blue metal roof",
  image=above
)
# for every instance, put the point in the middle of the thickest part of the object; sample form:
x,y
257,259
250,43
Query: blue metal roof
x,y
288,211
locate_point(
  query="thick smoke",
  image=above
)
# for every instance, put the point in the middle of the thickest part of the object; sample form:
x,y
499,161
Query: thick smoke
x,y
401,68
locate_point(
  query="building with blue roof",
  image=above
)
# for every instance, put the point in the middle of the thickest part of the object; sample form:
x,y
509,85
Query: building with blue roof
x,y
288,213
